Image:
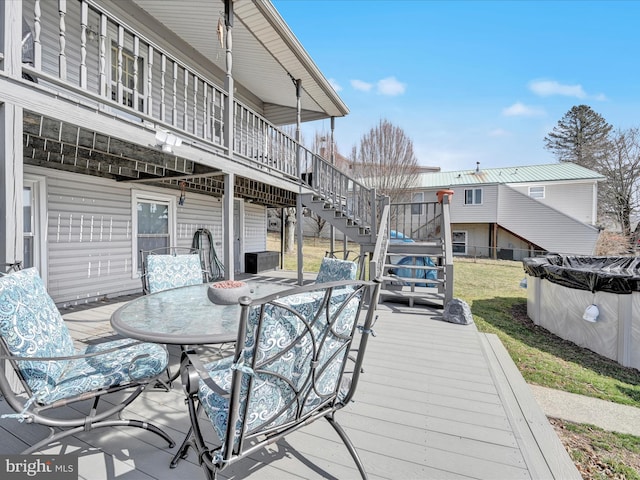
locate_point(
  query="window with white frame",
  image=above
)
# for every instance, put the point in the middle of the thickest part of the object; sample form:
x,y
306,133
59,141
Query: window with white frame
x,y
153,219
132,77
34,227
417,203
536,192
473,196
459,242
29,224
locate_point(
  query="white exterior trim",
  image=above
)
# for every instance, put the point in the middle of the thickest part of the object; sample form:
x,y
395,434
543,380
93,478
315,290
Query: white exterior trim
x,y
142,195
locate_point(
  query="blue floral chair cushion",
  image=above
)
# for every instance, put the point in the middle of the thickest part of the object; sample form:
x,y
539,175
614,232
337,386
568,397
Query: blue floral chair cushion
x,y
171,271
31,326
279,382
333,270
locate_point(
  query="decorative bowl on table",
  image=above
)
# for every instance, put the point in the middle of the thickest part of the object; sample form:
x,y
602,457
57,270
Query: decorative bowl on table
x,y
227,292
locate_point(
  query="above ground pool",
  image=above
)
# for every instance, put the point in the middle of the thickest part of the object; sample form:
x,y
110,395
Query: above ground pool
x,y
593,302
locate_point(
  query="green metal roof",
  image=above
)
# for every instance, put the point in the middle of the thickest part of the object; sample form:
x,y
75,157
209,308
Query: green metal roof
x,y
553,172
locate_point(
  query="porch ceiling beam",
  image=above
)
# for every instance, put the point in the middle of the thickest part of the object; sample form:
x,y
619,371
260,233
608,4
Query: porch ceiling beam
x,y
31,98
177,177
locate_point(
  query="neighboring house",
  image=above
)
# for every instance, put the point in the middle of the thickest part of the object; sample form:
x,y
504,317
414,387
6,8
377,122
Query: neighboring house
x,y
128,125
515,212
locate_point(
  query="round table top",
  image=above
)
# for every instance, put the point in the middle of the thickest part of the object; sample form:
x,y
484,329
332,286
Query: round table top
x,y
185,315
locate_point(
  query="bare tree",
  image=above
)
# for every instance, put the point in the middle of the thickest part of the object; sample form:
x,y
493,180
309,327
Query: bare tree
x,y
581,136
618,197
385,161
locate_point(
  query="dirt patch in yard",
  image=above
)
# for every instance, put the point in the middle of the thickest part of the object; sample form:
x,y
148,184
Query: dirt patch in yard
x,y
596,453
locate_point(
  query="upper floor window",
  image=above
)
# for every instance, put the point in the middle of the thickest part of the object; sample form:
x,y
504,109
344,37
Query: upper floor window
x,y
536,192
131,77
473,196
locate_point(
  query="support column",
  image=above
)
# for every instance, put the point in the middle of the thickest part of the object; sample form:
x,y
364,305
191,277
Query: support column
x,y
332,157
11,119
299,217
228,238
229,179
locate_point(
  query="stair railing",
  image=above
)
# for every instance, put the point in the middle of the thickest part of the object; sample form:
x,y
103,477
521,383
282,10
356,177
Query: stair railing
x,y
376,265
345,194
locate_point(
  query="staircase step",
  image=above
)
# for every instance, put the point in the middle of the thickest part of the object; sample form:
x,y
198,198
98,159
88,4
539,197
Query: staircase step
x,y
413,267
412,281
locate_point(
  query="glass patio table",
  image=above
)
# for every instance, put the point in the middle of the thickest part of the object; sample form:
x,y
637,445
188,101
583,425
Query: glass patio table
x,y
185,315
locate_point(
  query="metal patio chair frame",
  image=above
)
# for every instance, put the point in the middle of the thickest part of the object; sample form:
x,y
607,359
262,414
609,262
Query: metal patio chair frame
x,y
320,322
38,386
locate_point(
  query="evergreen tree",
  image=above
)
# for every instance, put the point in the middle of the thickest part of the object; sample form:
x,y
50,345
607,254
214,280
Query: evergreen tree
x,y
581,136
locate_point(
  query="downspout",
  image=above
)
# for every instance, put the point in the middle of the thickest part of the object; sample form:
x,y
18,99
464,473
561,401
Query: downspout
x,y
299,217
229,178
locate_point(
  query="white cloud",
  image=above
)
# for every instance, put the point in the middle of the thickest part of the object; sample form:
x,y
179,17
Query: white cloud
x,y
546,88
499,132
336,86
362,86
519,109
391,86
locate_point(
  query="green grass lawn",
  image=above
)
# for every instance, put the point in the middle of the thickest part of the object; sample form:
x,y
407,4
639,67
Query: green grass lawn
x,y
498,305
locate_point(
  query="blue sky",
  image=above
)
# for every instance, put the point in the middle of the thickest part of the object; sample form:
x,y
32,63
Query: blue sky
x,y
472,81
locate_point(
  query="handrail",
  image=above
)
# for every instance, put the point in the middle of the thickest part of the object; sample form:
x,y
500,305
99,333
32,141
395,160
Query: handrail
x,y
376,265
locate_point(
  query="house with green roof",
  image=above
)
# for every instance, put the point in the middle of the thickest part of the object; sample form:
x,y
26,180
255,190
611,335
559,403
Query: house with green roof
x,y
515,212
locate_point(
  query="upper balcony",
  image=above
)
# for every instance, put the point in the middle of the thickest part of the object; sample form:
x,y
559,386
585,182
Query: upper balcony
x,y
168,66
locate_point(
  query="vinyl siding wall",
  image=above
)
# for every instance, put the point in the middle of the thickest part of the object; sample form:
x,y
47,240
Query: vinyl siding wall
x,y
510,247
255,228
545,226
575,199
89,233
484,213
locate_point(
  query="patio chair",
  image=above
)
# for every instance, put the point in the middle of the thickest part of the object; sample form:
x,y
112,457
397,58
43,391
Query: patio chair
x,y
41,372
170,267
334,269
288,370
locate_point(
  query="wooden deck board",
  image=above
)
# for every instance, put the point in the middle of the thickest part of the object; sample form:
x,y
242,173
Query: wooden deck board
x,y
436,400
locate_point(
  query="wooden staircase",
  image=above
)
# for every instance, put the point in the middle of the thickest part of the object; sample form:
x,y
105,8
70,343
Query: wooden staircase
x,y
425,274
370,221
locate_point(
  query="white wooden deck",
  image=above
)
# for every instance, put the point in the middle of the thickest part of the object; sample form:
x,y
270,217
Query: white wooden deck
x,y
437,401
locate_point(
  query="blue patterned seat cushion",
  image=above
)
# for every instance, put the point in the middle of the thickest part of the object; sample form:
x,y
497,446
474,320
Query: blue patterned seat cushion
x,y
31,326
171,271
333,270
283,354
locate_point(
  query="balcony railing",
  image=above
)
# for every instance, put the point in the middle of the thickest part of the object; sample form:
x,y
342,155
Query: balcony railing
x,y
94,57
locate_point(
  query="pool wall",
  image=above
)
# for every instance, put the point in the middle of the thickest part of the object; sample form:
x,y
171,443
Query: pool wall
x,y
559,309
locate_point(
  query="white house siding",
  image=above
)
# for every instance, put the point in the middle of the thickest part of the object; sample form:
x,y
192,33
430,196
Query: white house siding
x,y
511,247
575,199
483,213
477,238
199,211
255,228
544,226
89,234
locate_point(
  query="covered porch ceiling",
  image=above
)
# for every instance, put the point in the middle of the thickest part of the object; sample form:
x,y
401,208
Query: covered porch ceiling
x,y
266,54
59,145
